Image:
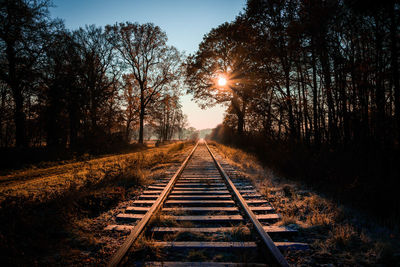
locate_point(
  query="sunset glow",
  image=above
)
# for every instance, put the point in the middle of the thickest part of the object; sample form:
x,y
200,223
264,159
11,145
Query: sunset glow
x,y
199,133
221,81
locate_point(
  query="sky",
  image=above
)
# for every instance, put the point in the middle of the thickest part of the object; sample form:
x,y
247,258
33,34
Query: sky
x,y
184,21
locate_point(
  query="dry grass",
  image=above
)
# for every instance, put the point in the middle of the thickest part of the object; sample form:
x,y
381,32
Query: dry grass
x,y
160,219
176,147
59,219
145,249
187,235
53,182
337,234
242,159
196,255
238,233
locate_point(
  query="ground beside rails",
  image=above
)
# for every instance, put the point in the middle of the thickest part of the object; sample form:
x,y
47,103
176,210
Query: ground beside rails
x,y
202,217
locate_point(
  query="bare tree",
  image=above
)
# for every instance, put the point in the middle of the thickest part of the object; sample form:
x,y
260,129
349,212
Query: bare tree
x,y
131,102
152,62
23,26
99,71
223,53
182,123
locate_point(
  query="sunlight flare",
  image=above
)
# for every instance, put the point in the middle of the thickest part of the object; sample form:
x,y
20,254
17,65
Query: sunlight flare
x,y
222,81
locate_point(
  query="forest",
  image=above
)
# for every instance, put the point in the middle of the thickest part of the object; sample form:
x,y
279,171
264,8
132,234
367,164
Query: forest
x,y
93,89
313,89
93,135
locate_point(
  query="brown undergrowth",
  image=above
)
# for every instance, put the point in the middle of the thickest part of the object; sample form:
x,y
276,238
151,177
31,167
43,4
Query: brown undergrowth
x,y
59,219
337,234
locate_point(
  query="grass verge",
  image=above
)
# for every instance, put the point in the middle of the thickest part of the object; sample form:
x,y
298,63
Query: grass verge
x,y
338,234
59,219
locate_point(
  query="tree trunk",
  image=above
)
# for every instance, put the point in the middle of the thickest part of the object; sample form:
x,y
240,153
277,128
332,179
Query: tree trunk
x,y
299,113
3,123
345,116
73,123
379,88
332,134
292,127
141,122
127,130
19,119
51,128
395,67
305,107
317,137
239,111
19,115
141,115
240,123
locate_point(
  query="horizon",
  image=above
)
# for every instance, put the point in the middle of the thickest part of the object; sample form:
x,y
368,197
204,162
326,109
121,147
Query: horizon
x,y
185,24
100,166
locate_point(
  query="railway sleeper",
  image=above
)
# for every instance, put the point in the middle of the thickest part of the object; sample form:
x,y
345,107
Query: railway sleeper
x,y
251,195
199,197
273,231
277,230
187,245
200,203
209,218
180,184
202,209
198,192
196,264
200,218
216,188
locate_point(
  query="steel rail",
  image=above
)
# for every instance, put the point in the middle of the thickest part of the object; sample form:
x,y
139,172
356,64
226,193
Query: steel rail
x,y
135,232
268,242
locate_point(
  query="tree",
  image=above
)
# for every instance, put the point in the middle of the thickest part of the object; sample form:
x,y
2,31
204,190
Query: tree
x,y
225,51
99,73
131,101
24,25
181,125
318,72
152,62
6,115
167,116
62,66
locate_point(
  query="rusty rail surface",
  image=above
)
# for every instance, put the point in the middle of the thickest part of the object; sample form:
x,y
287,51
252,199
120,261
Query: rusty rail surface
x,y
121,252
200,194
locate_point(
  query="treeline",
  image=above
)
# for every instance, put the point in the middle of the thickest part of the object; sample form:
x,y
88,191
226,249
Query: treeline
x,y
89,88
313,83
311,71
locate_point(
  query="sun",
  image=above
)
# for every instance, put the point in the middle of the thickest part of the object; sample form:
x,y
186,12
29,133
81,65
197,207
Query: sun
x,y
221,81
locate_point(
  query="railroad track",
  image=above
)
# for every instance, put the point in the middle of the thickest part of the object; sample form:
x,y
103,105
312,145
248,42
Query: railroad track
x,y
201,217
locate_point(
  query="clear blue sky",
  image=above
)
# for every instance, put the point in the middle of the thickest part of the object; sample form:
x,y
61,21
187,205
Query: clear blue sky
x,y
184,21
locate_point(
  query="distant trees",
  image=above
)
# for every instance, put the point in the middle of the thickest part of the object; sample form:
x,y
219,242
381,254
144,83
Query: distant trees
x,y
83,88
153,64
167,117
131,102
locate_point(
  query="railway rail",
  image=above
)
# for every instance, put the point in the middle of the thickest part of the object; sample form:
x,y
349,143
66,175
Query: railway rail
x,y
202,217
